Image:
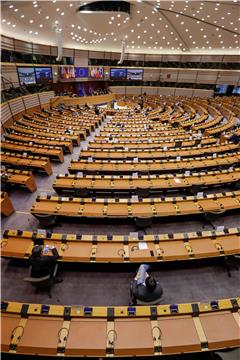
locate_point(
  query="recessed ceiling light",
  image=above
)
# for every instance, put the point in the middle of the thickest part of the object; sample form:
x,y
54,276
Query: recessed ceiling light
x,y
13,25
10,6
3,20
57,9
62,13
22,16
31,21
36,33
30,32
41,25
47,17
15,10
70,5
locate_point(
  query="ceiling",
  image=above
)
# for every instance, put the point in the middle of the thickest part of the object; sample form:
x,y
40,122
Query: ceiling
x,y
159,27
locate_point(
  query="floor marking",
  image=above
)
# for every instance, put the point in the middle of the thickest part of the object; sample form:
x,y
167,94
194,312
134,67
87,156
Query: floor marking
x,y
23,212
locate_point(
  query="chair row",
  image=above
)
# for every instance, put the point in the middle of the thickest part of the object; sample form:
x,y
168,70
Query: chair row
x,y
65,144
47,129
34,163
100,142
19,178
6,205
54,153
127,153
36,329
149,166
124,249
56,128
27,130
143,185
135,208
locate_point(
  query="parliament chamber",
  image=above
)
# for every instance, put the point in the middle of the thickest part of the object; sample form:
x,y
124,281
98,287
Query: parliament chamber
x,y
115,154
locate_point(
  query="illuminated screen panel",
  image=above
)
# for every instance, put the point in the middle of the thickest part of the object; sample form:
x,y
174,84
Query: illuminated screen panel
x,y
67,72
118,74
236,90
26,75
43,75
81,72
221,89
96,72
134,74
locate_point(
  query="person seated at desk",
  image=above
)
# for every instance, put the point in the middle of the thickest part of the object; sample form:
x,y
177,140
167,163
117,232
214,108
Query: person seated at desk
x,y
144,288
43,264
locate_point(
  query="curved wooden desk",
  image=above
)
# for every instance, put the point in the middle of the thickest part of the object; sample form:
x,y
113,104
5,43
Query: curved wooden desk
x,y
129,184
159,153
54,153
31,162
6,205
138,208
65,144
44,134
19,178
148,166
35,329
150,144
124,249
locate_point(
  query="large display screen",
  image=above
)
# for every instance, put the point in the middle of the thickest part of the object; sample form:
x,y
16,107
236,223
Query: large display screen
x,y
81,72
26,75
236,90
67,72
221,89
96,72
118,74
43,75
134,74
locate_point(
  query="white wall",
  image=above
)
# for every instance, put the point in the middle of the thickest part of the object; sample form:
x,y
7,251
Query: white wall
x,y
136,90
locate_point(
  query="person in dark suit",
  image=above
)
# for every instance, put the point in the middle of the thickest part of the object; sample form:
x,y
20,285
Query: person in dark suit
x,y
43,264
144,287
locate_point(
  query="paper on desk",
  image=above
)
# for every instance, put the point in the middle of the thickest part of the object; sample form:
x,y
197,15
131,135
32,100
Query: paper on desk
x,y
176,180
134,198
142,245
41,231
133,235
220,228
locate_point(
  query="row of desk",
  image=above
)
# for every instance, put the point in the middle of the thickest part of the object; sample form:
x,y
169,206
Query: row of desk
x,y
54,153
121,167
135,208
19,178
37,329
112,154
65,144
153,183
34,163
27,130
124,249
104,143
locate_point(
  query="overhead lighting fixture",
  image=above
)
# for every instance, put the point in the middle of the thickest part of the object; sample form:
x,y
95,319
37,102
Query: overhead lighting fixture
x,y
105,7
